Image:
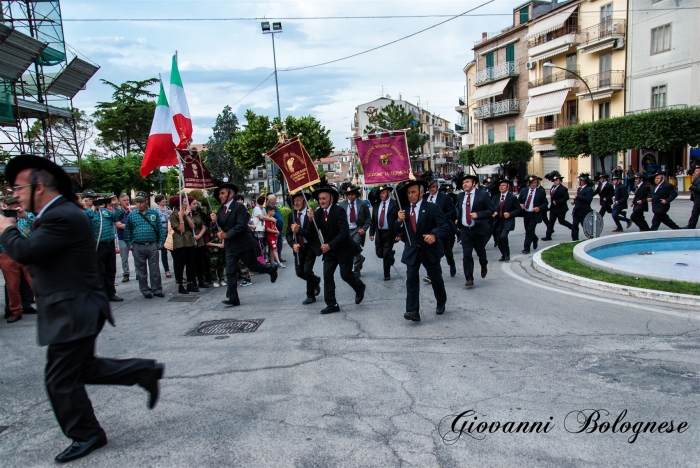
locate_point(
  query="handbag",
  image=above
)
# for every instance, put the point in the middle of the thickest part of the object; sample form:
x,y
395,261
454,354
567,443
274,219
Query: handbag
x,y
169,238
261,256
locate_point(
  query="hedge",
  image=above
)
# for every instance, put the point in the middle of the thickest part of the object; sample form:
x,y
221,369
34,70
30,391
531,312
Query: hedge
x,y
659,130
504,153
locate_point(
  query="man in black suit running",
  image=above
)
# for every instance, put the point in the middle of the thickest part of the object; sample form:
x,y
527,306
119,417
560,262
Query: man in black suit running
x,y
381,229
72,307
302,236
661,197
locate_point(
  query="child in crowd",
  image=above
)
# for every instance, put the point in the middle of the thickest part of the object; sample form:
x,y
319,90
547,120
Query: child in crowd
x,y
271,235
217,258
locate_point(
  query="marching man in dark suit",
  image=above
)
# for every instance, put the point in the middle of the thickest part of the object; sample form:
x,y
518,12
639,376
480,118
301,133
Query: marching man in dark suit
x,y
336,245
507,208
695,197
301,235
620,203
474,211
559,196
425,225
639,204
239,243
381,229
443,200
533,201
72,304
582,203
661,198
606,192
358,222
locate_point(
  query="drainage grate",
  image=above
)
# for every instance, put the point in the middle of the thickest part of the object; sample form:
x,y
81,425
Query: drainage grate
x,y
184,299
225,327
3,428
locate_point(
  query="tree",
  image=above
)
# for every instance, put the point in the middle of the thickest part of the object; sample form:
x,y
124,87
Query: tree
x,y
395,117
467,158
505,154
314,136
220,164
68,137
125,122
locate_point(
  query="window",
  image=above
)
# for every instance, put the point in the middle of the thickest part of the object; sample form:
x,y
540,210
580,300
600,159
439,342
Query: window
x,y
604,110
261,186
510,53
658,96
571,111
661,39
490,133
261,173
489,60
606,13
511,133
571,62
546,75
604,65
524,15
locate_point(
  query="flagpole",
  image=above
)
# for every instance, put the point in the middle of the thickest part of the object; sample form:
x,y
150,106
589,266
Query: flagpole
x,y
398,202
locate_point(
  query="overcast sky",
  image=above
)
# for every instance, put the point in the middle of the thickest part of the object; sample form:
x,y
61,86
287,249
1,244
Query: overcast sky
x,y
221,61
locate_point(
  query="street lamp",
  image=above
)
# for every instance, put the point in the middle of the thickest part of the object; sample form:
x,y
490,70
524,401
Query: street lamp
x,y
276,29
163,171
551,65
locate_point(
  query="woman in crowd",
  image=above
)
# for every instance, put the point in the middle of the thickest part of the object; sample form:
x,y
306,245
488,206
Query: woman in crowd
x,y
200,249
183,244
163,214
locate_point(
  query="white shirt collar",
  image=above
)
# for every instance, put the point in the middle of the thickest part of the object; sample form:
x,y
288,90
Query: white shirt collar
x,y
48,205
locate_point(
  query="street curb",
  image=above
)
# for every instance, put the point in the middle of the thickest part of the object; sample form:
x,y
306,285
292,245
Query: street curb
x,y
540,266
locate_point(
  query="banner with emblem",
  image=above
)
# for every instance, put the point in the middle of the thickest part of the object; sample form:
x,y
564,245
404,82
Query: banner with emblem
x,y
384,157
295,163
196,176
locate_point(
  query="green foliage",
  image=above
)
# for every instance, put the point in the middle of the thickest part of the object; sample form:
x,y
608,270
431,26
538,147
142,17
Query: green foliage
x,y
321,172
657,130
358,168
218,161
125,122
395,117
505,153
467,158
121,175
284,211
258,137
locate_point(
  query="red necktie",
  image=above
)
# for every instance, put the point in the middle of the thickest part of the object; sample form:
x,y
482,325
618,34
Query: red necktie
x,y
224,210
325,218
300,239
413,217
578,190
553,189
468,209
500,206
529,199
382,215
352,212
431,198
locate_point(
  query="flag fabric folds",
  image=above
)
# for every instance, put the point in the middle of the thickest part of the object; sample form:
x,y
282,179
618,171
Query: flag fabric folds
x,y
160,147
178,106
196,176
295,163
384,157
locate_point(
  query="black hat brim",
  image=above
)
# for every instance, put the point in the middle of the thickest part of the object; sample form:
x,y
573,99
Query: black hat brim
x,y
332,190
227,186
290,198
458,181
20,163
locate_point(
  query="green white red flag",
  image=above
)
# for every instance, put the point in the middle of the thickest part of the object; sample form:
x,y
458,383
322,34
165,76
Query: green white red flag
x,y
160,147
179,108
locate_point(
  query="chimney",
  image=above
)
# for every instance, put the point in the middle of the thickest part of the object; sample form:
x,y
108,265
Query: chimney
x,y
484,35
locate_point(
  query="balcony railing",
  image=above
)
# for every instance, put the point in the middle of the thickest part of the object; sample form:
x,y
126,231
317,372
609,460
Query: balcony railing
x,y
642,111
608,79
553,78
458,128
567,29
495,109
552,124
499,71
602,30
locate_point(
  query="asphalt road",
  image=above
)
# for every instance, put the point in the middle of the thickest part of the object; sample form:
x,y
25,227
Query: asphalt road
x,y
364,387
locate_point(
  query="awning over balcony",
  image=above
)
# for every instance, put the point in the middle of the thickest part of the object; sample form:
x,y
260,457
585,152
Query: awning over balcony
x,y
489,90
544,147
551,23
546,104
551,53
599,47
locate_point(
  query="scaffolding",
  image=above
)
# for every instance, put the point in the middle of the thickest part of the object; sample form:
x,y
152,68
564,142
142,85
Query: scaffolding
x,y
37,81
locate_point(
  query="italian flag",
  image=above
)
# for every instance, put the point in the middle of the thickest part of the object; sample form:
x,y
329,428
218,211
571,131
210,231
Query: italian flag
x,y
178,106
160,147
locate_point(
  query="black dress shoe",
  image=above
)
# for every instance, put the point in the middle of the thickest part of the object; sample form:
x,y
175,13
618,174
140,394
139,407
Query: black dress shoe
x,y
125,279
14,318
116,298
309,300
453,271
534,244
273,274
360,295
159,295
331,309
148,296
150,384
191,287
232,302
526,251
617,230
357,273
469,283
507,258
317,288
547,238
387,277
484,271
629,223
182,290
81,449
415,316
204,285
440,310
502,259
283,260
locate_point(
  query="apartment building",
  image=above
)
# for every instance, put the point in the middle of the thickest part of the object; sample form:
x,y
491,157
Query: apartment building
x,y
464,125
663,68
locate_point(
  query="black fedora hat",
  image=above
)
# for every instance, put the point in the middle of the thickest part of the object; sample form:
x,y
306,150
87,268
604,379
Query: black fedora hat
x,y
20,163
301,193
461,176
552,176
324,186
352,188
373,195
226,185
505,181
403,187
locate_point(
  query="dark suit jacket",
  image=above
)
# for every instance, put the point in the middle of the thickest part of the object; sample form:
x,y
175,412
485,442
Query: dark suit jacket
x,y
695,191
362,218
511,205
307,229
641,193
431,220
392,212
561,197
481,205
666,192
336,233
60,253
444,201
582,202
540,201
606,192
621,197
234,223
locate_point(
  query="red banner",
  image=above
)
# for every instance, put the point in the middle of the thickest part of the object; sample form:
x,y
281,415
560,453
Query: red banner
x,y
295,163
196,175
384,157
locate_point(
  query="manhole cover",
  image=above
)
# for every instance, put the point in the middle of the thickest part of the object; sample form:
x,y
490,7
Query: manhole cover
x,y
3,428
681,264
225,327
184,299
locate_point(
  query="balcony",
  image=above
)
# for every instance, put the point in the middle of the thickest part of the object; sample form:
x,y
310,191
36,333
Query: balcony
x,y
554,82
602,84
462,107
554,43
497,109
603,36
642,111
496,73
547,129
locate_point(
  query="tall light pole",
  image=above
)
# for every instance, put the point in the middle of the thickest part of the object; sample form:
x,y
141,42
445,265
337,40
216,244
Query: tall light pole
x,y
163,171
276,29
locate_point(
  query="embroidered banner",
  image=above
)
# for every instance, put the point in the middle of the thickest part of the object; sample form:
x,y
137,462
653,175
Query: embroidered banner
x,y
195,174
295,163
384,157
